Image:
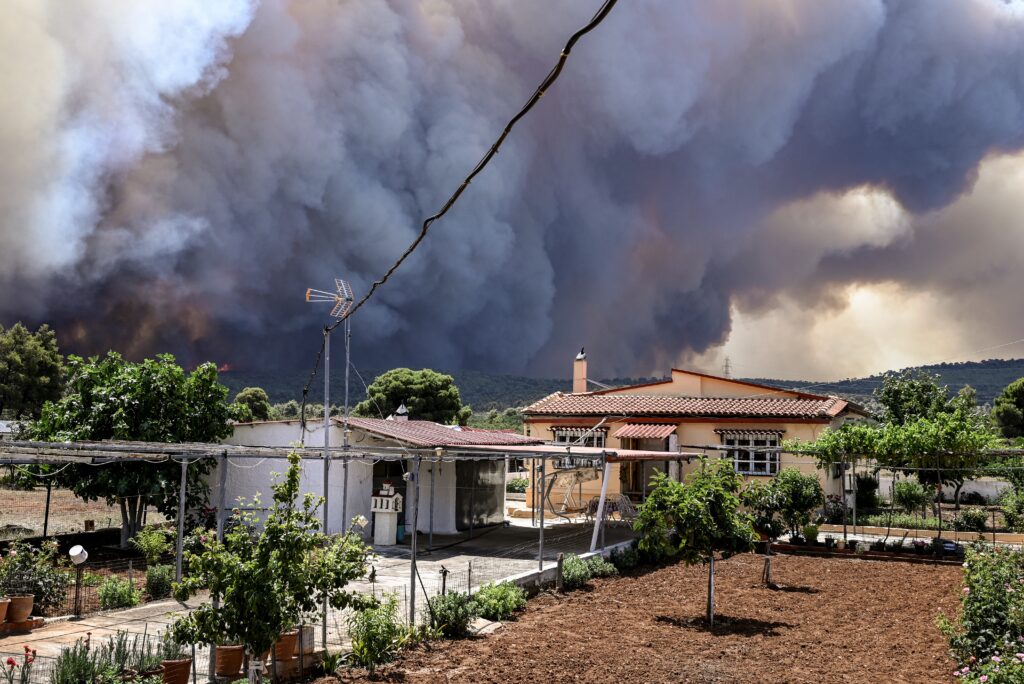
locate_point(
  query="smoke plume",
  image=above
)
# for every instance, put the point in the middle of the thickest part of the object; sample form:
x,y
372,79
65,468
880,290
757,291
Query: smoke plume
x,y
176,174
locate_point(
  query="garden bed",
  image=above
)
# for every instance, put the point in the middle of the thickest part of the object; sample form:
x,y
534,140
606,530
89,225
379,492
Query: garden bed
x,y
831,620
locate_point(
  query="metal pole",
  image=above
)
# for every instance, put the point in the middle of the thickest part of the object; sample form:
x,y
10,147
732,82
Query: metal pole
x,y
599,519
222,493
344,435
414,489
540,544
182,493
430,538
472,496
46,516
327,456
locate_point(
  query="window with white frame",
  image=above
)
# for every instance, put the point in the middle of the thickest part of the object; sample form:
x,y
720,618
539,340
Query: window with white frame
x,y
578,436
752,454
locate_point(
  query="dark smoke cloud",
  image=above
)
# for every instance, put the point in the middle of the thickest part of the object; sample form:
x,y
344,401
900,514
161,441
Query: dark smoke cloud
x,y
176,174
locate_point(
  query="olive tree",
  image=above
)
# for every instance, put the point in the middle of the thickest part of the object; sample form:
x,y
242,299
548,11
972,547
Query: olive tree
x,y
697,519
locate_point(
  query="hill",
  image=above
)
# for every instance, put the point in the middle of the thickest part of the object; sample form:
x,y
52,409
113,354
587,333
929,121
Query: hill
x,y
485,391
988,377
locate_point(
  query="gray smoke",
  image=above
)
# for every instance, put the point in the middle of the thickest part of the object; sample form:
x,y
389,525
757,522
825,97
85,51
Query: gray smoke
x,y
176,174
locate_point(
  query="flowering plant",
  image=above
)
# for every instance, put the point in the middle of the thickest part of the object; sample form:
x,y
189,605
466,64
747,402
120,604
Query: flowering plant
x,y
22,670
997,668
37,571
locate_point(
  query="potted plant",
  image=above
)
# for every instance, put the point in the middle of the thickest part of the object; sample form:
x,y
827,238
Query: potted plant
x,y
851,544
4,602
920,546
306,643
228,661
878,545
177,665
830,542
265,575
32,578
811,534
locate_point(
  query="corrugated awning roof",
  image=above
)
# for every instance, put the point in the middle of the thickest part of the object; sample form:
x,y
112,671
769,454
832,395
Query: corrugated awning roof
x,y
424,433
645,431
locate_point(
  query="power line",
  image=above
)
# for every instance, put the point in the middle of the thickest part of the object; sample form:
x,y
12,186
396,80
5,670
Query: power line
x,y
548,81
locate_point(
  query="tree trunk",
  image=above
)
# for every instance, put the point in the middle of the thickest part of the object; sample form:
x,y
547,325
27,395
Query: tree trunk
x,y
711,590
956,496
124,523
766,575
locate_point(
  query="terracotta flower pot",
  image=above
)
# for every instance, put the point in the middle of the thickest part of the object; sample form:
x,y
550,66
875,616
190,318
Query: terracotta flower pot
x,y
306,642
20,608
285,648
4,602
229,660
177,671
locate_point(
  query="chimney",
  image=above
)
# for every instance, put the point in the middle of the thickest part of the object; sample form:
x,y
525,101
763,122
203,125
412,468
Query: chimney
x,y
401,413
579,373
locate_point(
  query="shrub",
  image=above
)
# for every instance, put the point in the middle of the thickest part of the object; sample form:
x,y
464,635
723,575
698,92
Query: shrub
x,y
575,572
499,601
834,510
973,499
27,570
800,494
600,567
451,614
810,533
1004,669
112,662
903,520
118,593
970,520
625,559
377,633
910,496
152,542
159,579
517,485
990,615
867,492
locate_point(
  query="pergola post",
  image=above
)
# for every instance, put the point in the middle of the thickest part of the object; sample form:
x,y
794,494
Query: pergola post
x,y
540,544
599,519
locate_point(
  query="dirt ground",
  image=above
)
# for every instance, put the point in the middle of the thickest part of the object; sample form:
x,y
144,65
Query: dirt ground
x,y
22,513
831,620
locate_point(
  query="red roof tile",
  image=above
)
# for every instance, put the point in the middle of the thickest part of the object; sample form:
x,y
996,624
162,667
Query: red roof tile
x,y
559,404
641,431
424,433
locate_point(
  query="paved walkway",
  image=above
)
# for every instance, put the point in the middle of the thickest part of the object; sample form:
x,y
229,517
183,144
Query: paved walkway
x,y
492,554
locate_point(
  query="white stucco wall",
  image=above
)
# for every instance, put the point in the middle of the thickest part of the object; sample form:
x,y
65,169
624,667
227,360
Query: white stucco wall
x,y
444,498
247,477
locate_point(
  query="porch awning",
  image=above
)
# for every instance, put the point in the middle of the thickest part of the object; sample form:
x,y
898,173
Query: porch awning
x,y
577,431
645,431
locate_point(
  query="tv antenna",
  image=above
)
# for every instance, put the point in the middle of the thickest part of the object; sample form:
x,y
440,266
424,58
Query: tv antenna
x,y
342,297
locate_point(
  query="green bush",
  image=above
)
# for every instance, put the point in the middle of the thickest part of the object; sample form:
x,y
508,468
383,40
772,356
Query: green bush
x,y
378,634
451,614
1012,505
810,533
36,571
902,520
971,520
499,601
107,663
517,486
867,492
575,572
118,593
600,567
152,543
625,559
989,615
159,579
910,496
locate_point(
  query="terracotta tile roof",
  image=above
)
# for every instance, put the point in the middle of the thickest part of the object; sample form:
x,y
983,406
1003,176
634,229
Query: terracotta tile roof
x,y
424,433
592,404
642,431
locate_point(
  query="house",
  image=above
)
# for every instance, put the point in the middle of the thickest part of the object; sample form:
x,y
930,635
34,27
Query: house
x,y
7,429
465,492
682,413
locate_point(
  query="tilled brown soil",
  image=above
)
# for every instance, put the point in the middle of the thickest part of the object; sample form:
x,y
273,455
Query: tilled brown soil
x,y
830,620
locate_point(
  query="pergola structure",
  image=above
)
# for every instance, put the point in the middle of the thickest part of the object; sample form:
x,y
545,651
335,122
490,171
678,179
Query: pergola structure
x,y
17,452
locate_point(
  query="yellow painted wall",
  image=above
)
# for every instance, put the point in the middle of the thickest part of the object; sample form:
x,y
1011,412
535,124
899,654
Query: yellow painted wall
x,y
685,384
700,433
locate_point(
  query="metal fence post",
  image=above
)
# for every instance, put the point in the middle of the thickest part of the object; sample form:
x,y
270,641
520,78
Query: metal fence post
x,y
414,489
182,493
558,571
469,579
540,541
46,515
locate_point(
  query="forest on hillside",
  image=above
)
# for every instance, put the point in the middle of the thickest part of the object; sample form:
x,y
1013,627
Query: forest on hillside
x,y
487,391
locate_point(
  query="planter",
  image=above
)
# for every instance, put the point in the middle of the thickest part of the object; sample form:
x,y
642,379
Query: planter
x,y
284,649
4,602
306,643
851,544
177,671
20,608
229,661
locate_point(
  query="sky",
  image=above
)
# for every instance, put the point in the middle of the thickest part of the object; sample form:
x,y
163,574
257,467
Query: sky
x,y
815,189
